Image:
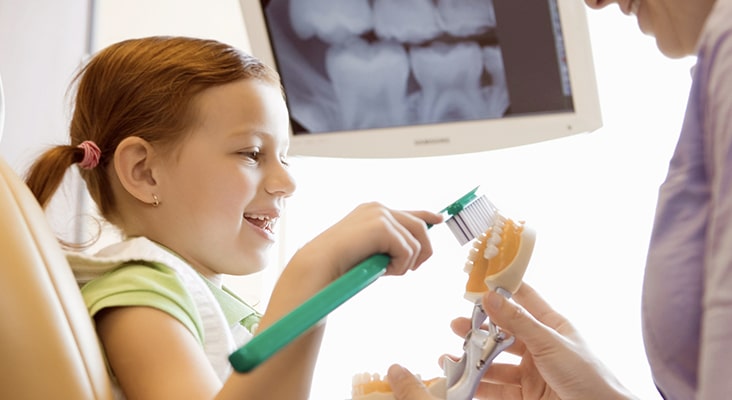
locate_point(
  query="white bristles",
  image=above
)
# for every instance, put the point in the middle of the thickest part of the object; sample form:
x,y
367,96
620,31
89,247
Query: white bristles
x,y
473,220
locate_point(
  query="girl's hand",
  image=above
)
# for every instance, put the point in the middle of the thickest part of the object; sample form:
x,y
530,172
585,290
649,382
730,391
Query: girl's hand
x,y
372,229
368,230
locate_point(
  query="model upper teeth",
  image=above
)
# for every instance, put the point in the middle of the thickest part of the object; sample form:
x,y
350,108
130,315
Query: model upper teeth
x,y
491,250
491,238
393,63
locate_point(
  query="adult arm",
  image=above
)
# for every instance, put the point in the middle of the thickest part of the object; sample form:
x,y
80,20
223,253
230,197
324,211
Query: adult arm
x,y
715,352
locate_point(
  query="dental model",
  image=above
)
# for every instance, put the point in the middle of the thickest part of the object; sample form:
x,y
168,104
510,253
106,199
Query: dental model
x,y
497,261
372,387
498,258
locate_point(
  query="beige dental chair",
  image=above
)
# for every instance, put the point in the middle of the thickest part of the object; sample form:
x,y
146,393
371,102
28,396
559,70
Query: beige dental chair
x,y
48,346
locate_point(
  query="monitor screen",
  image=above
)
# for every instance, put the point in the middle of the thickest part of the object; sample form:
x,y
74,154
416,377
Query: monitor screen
x,y
410,78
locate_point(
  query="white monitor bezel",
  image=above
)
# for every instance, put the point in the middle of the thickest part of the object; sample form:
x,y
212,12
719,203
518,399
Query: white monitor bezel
x,y
456,137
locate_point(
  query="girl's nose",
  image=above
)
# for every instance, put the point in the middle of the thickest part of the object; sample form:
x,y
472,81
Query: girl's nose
x,y
281,182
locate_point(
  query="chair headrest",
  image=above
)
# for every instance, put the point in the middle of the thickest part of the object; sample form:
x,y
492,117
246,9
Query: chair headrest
x,y
2,108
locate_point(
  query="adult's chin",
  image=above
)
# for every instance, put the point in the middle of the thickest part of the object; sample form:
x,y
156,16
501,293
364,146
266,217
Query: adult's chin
x,y
674,48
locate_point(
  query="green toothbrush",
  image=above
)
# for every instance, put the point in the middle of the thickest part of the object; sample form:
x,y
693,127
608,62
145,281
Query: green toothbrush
x,y
468,217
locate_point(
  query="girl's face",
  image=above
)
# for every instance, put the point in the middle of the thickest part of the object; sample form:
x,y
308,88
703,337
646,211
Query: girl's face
x,y
224,189
676,24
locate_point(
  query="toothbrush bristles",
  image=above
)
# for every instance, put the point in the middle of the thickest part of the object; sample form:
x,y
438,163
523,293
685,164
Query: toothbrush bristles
x,y
473,220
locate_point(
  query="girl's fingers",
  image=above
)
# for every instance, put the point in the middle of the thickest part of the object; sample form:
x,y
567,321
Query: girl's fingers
x,y
414,246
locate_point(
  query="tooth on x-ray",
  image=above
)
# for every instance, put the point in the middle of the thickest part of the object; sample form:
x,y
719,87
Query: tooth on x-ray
x,y
405,21
370,82
449,76
496,94
330,21
466,17
391,62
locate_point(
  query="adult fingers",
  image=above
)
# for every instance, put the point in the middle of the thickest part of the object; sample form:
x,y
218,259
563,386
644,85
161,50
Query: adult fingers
x,y
536,337
503,373
405,385
541,310
462,325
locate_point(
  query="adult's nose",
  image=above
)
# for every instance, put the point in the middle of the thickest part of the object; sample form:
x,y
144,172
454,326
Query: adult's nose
x,y
597,4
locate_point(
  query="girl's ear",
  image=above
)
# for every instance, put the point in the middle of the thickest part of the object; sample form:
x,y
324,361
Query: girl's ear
x,y
133,164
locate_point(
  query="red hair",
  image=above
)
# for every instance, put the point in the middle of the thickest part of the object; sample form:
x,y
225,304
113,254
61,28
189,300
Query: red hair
x,y
141,87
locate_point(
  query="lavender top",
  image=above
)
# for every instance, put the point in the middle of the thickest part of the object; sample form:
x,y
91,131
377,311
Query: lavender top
x,y
687,293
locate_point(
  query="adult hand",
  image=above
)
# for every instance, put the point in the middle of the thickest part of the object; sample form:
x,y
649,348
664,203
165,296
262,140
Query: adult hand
x,y
555,362
405,385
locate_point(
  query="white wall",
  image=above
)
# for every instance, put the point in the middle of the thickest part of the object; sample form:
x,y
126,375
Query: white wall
x,y
42,43
590,197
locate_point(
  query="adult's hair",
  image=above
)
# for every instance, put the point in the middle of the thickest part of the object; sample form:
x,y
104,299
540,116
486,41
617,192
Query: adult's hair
x,y
141,87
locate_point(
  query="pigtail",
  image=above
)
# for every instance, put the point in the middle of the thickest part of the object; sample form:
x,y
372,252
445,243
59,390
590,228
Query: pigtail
x,y
46,174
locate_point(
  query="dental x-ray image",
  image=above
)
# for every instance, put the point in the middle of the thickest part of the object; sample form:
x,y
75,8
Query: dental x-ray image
x,y
362,64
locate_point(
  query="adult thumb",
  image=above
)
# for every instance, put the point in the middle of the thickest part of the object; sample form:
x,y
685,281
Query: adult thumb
x,y
515,319
405,385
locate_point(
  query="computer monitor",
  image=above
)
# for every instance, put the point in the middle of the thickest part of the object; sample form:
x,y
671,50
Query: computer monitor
x,y
414,78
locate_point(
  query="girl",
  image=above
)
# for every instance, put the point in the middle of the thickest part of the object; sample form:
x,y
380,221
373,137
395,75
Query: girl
x,y
182,144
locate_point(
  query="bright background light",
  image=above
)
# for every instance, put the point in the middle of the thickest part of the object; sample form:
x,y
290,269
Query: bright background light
x,y
590,197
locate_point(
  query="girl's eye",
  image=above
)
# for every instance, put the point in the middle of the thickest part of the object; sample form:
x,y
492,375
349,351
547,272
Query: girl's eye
x,y
284,161
253,155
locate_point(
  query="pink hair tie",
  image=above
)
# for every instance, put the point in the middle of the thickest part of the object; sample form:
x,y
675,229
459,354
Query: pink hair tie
x,y
91,155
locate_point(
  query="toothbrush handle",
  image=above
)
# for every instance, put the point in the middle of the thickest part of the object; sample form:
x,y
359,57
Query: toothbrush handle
x,y
309,313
